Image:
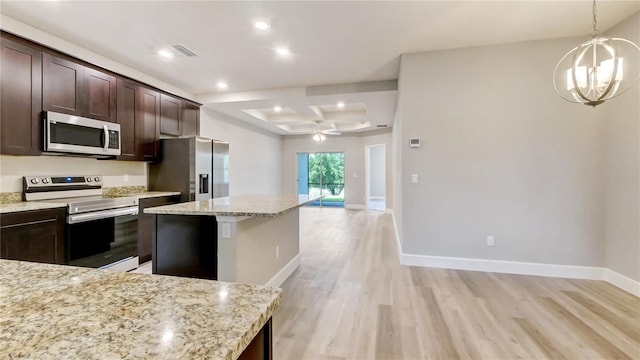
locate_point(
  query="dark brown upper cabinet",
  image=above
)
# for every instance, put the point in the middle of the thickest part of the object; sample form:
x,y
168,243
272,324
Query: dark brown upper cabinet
x,y
170,110
99,95
21,98
148,123
190,119
126,117
74,89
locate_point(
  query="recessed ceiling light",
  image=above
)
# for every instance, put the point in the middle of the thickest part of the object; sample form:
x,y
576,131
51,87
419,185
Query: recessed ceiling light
x,y
283,51
261,25
340,105
277,108
165,53
222,85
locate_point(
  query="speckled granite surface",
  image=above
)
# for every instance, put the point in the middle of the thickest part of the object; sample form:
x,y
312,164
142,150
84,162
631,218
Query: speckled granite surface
x,y
138,191
63,312
10,197
239,205
27,206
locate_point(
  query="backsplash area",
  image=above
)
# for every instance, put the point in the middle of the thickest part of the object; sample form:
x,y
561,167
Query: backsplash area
x,y
114,173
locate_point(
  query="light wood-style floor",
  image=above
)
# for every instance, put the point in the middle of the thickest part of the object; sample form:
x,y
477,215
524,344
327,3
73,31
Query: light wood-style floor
x,y
351,299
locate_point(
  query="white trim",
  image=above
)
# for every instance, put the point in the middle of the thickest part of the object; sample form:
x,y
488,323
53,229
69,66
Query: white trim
x,y
502,266
389,211
515,267
377,198
285,272
355,206
627,284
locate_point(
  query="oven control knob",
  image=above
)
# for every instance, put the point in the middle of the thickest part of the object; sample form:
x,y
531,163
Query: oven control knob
x,y
96,179
89,179
45,180
34,181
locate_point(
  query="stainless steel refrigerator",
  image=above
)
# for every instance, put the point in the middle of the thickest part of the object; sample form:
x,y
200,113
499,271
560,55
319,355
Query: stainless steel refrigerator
x,y
189,165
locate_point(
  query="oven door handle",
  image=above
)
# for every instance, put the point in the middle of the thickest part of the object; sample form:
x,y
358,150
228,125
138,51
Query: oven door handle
x,y
105,214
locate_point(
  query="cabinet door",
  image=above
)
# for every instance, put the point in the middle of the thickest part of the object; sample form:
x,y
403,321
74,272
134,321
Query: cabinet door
x,y
170,109
99,95
21,99
190,118
62,83
33,236
147,225
126,117
148,123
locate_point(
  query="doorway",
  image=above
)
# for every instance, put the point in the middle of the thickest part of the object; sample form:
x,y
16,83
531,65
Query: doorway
x,y
322,174
376,177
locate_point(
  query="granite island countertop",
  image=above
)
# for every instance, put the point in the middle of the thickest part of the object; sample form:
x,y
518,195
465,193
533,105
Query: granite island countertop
x,y
238,205
65,312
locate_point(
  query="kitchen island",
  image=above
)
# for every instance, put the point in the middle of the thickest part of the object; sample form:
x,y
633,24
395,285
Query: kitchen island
x,y
65,312
252,239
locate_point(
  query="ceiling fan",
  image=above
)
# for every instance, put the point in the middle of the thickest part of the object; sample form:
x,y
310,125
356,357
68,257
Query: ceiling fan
x,y
320,135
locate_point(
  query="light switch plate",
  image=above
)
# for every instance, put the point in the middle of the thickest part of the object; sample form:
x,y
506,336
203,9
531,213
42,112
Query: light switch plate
x,y
414,178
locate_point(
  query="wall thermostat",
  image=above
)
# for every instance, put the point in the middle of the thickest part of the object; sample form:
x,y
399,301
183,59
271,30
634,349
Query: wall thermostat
x,y
415,142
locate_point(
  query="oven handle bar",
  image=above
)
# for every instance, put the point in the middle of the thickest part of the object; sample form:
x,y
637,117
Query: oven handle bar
x,y
104,214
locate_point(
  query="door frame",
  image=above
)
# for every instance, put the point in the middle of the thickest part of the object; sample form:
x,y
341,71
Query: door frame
x,y
367,175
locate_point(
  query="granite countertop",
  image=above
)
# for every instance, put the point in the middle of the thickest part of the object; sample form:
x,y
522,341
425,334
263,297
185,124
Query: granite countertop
x,y
239,205
17,205
65,312
28,206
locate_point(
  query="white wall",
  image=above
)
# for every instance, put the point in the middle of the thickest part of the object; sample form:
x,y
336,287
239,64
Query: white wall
x,y
501,155
353,147
254,154
622,207
377,171
115,173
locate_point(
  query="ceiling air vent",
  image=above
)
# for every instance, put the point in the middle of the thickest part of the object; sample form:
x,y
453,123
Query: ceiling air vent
x,y
382,126
184,50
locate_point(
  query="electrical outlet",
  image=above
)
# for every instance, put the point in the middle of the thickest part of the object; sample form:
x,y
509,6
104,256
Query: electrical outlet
x,y
490,240
277,252
226,230
414,178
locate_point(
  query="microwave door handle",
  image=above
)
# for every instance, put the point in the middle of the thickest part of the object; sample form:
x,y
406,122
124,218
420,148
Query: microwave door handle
x,y
106,137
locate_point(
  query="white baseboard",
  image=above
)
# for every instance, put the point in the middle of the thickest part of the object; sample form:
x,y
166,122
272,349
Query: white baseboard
x,y
629,285
284,273
355,206
377,197
502,266
389,211
516,267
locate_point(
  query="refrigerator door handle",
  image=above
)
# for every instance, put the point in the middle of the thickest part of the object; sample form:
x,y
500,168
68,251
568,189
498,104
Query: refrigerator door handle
x,y
204,183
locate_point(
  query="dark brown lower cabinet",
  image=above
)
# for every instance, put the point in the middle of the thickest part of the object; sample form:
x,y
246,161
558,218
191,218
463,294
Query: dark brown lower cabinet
x,y
260,348
36,236
147,224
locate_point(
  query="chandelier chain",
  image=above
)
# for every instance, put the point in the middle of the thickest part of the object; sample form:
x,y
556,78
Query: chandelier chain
x,y
595,31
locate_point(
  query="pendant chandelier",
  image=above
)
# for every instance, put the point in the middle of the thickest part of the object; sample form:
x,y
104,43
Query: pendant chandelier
x,y
597,70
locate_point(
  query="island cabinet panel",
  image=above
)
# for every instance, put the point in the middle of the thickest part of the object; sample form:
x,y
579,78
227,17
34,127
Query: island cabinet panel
x,y
190,119
126,117
62,85
147,224
261,347
170,109
148,123
74,89
99,95
21,98
186,246
36,236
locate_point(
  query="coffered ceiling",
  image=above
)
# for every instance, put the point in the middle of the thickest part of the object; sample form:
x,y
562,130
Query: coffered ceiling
x,y
341,43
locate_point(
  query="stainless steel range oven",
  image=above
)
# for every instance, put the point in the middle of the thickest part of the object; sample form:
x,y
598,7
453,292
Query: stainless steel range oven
x,y
101,232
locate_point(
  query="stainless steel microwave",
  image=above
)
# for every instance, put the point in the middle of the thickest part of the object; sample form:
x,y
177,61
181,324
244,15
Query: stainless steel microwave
x,y
80,135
